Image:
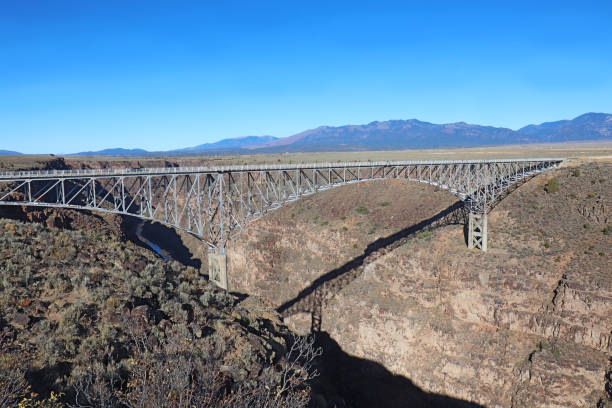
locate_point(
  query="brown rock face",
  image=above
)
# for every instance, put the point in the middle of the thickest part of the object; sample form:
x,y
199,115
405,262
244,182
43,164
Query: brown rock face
x,y
527,323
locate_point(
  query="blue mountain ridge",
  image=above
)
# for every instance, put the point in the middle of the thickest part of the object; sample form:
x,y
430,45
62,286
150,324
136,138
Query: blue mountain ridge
x,y
399,135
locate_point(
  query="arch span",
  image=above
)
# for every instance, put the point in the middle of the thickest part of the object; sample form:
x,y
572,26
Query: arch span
x,y
214,203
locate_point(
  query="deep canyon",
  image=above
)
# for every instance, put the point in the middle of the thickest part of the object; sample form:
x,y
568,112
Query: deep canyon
x,y
405,313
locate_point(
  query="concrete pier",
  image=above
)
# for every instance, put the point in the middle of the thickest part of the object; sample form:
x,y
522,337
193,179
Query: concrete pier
x,y
217,267
477,231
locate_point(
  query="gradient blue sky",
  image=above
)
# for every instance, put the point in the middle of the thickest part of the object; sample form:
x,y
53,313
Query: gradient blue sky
x,y
86,75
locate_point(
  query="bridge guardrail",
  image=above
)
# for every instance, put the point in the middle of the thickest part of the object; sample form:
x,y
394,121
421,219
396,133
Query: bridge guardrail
x,y
263,167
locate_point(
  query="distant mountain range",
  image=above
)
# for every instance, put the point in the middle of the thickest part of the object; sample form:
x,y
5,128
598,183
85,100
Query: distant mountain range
x,y
9,153
394,135
115,152
246,142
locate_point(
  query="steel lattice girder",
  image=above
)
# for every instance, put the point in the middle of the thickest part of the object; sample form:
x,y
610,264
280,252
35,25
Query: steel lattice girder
x,y
215,203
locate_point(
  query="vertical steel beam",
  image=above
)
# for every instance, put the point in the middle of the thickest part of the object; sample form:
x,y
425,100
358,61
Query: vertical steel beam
x,y
222,225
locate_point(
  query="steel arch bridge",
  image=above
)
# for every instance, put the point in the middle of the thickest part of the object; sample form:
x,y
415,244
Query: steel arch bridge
x,y
215,203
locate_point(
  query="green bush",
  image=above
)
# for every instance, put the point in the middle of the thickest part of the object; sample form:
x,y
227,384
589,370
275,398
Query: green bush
x,y
607,230
542,345
555,351
361,209
552,186
424,234
576,172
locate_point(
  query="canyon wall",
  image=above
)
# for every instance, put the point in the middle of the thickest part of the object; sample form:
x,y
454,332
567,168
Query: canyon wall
x,y
527,323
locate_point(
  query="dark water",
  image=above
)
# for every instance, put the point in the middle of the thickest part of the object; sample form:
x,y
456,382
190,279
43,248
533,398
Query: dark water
x,y
149,243
165,241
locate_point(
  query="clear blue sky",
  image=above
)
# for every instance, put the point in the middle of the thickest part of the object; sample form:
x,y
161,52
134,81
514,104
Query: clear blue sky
x,y
86,75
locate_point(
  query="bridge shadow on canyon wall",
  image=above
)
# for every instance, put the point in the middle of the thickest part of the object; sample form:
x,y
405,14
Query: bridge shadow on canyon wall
x,y
347,381
312,299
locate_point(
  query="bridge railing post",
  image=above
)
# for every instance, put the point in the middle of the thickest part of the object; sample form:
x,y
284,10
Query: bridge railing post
x,y
477,230
217,267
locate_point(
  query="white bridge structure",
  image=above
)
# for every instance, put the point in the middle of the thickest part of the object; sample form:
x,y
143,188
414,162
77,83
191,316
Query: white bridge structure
x,y
216,203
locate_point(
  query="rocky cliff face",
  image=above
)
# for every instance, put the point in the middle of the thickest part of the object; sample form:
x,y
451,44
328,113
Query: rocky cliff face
x,y
526,324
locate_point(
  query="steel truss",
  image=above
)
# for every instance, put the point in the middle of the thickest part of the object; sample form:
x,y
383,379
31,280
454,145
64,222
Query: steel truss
x,y
216,203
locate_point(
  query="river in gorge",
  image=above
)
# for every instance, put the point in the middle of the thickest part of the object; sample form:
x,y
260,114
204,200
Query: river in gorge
x,y
164,240
139,231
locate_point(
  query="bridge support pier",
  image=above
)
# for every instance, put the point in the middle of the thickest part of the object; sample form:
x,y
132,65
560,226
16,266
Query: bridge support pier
x,y
217,267
477,231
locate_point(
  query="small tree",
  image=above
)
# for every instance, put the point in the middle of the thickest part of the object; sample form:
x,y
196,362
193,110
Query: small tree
x,y
552,186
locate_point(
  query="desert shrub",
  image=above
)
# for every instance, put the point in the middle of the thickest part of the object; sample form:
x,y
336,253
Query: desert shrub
x,y
177,372
52,402
423,234
607,230
13,386
552,186
224,299
26,275
72,315
215,297
576,172
361,209
174,310
97,386
83,348
555,351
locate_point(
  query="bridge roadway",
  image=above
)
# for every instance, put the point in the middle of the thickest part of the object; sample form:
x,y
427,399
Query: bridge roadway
x,y
215,203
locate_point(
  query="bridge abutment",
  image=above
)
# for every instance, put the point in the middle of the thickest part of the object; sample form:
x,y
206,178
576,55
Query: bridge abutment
x,y
477,231
217,267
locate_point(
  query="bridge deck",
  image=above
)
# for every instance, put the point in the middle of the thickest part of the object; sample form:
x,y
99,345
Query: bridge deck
x,y
38,174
